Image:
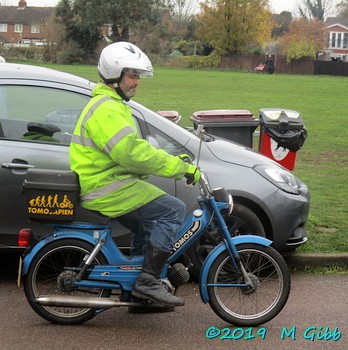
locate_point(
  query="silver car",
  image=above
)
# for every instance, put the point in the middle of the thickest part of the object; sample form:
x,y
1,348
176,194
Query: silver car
x,y
38,111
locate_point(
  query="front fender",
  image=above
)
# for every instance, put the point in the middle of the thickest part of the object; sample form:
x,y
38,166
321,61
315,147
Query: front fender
x,y
52,238
203,280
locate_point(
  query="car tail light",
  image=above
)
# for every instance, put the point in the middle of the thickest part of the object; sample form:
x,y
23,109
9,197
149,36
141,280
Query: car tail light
x,y
24,237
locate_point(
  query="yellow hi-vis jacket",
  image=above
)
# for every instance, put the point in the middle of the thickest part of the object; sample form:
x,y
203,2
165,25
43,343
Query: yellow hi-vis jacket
x,y
110,158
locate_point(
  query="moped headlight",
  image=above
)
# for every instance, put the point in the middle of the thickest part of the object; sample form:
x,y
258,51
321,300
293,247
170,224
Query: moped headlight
x,y
279,177
230,204
221,195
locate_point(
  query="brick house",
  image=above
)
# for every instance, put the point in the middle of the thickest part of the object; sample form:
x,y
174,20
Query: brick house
x,y
337,39
23,24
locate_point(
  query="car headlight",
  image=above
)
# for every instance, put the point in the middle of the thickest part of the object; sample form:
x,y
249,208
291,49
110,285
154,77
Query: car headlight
x,y
279,177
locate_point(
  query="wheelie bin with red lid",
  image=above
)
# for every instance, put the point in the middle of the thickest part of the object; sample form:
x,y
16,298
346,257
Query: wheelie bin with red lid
x,y
231,124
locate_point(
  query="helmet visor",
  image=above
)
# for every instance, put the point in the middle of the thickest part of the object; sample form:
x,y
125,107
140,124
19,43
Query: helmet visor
x,y
141,72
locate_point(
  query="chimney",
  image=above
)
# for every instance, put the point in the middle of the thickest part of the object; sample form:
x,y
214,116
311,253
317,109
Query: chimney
x,y
22,4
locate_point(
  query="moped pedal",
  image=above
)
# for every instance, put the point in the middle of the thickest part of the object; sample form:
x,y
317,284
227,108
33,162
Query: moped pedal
x,y
140,299
151,305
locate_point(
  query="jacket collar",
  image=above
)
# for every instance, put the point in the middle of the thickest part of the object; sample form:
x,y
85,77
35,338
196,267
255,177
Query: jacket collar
x,y
103,89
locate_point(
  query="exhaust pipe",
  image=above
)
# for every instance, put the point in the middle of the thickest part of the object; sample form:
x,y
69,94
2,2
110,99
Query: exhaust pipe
x,y
93,303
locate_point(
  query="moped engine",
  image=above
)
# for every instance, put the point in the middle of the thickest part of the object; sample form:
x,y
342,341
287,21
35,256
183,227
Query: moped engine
x,y
178,275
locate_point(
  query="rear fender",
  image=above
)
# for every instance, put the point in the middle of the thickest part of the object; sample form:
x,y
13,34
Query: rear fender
x,y
203,280
74,234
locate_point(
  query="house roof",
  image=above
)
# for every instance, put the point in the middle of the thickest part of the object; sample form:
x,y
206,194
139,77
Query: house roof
x,y
331,21
27,15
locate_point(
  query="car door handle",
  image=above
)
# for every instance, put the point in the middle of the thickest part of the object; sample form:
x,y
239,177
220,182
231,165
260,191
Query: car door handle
x,y
17,166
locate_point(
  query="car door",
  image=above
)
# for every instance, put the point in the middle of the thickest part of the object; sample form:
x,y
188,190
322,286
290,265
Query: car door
x,y
175,140
37,121
159,139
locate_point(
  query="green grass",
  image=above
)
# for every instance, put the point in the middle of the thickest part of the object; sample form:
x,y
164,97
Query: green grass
x,y
322,163
328,270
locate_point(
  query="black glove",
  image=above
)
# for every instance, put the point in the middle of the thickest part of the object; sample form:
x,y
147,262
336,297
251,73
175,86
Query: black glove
x,y
193,175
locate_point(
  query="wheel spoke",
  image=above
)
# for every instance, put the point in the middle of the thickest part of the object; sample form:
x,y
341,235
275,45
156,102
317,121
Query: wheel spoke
x,y
255,304
52,273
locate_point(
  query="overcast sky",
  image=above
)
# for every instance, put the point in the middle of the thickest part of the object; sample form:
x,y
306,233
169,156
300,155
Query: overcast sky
x,y
277,5
282,5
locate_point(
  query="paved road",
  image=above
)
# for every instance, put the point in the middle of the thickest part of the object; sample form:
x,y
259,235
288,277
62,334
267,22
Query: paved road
x,y
317,309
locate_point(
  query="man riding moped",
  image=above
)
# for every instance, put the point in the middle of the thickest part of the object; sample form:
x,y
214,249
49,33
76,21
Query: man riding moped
x,y
112,160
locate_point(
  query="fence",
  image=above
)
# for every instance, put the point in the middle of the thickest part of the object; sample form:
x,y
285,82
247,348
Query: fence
x,y
331,68
300,66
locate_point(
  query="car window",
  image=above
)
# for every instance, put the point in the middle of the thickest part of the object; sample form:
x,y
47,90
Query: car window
x,y
167,143
39,114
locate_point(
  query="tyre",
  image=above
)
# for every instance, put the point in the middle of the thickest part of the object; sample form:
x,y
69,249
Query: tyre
x,y
242,221
249,306
47,275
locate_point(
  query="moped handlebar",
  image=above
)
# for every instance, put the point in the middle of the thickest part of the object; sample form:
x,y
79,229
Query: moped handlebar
x,y
204,185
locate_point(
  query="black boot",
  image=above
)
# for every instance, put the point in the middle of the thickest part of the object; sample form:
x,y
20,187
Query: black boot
x,y
149,284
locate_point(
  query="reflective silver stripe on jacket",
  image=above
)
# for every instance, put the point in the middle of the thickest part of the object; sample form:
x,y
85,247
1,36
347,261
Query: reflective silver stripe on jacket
x,y
109,188
86,141
117,137
81,139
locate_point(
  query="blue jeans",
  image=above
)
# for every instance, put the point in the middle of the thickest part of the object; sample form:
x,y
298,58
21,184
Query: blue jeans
x,y
157,221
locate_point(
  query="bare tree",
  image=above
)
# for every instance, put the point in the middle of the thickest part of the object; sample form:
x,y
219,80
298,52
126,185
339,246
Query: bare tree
x,y
316,9
342,9
182,10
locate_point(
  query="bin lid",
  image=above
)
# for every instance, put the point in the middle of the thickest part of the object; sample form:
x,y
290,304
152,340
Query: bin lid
x,y
284,126
223,114
173,116
280,117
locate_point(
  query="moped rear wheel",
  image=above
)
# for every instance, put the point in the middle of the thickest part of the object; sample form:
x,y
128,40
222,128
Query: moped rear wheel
x,y
254,305
48,273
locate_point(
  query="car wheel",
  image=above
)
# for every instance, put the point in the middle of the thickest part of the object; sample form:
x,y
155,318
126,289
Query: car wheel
x,y
242,221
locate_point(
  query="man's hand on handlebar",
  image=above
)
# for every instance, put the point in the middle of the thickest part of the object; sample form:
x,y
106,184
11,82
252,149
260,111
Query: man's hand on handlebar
x,y
193,175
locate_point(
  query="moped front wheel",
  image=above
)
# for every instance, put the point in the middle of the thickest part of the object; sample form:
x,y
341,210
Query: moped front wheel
x,y
48,275
254,304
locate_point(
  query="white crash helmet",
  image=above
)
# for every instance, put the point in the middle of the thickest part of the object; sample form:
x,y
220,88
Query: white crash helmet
x,y
118,57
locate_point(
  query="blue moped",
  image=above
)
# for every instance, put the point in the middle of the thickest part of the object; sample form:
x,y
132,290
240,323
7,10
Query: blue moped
x,y
78,271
